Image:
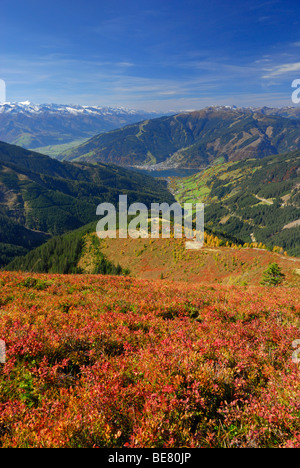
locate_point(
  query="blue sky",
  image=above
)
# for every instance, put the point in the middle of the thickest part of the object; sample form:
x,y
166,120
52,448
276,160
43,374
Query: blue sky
x,y
153,55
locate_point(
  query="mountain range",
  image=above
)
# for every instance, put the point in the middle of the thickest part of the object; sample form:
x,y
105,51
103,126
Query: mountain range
x,y
56,129
192,139
247,164
47,126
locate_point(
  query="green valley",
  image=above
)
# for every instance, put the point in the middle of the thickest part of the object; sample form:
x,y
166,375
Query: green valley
x,y
255,200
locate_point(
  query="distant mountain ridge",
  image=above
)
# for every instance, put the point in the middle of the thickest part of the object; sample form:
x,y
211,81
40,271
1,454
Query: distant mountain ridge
x,y
28,107
36,126
287,111
193,139
54,129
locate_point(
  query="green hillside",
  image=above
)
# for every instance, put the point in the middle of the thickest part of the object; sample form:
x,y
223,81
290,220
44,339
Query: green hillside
x,y
41,197
61,254
192,140
255,200
80,251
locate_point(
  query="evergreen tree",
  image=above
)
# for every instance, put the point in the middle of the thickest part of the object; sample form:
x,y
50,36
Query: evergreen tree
x,y
273,275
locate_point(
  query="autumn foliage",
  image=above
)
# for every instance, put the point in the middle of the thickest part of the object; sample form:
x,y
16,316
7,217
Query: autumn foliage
x,y
97,361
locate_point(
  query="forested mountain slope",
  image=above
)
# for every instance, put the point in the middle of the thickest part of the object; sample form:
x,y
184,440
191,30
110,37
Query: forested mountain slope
x,y
41,197
193,139
255,200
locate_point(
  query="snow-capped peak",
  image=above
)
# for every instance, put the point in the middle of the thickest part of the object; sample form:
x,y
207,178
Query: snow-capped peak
x,y
25,103
26,107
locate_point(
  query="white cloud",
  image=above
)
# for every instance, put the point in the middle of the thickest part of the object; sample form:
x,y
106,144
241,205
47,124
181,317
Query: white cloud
x,y
125,64
282,69
178,84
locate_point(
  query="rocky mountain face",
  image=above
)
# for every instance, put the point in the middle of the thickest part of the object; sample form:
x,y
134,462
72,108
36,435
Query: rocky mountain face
x,y
193,139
